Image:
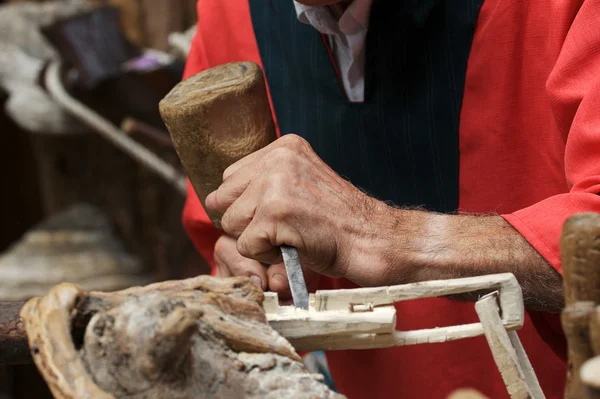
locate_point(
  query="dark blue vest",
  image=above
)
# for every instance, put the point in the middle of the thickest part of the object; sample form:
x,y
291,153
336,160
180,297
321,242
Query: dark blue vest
x,y
401,144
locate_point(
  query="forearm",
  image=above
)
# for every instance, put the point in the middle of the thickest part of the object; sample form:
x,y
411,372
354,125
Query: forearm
x,y
434,246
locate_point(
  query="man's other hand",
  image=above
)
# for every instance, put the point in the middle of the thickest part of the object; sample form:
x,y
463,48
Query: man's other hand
x,y
229,262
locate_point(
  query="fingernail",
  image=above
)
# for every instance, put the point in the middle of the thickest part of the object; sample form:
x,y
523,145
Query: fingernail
x,y
279,277
256,280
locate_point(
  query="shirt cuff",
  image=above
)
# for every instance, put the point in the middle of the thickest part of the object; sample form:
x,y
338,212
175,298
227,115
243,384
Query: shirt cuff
x,y
541,224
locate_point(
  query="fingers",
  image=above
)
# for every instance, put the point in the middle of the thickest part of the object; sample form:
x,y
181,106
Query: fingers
x,y
255,243
220,200
247,160
229,263
274,278
240,214
289,140
264,218
238,176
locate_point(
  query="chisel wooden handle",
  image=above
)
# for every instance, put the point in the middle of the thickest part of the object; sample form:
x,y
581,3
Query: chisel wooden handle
x,y
216,118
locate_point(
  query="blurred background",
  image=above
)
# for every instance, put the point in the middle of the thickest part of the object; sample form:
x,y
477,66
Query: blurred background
x,y
92,189
76,204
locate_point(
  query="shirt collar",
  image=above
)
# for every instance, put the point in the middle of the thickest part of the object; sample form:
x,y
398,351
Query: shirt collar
x,y
354,20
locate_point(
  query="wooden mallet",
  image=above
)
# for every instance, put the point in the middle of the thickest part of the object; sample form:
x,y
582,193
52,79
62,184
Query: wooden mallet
x,y
216,118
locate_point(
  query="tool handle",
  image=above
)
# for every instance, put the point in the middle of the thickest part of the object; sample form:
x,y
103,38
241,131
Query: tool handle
x,y
216,118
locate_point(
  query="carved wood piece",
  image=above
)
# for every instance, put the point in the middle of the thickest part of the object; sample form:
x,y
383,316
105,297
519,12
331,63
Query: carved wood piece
x,y
203,338
589,372
511,302
594,331
575,319
590,377
580,255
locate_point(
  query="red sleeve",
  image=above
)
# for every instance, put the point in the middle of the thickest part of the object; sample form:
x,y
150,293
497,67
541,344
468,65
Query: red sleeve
x,y
574,92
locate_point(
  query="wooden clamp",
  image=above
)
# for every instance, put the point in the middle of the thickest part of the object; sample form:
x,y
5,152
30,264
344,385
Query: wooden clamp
x,y
364,318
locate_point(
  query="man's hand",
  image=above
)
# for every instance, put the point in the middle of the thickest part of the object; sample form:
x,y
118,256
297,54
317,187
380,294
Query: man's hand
x,y
285,194
273,278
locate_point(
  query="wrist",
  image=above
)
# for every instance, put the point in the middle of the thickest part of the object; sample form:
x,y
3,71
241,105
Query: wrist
x,y
419,248
376,251
442,246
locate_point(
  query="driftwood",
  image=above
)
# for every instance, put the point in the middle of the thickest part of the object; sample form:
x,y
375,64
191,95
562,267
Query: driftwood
x,y
198,338
580,253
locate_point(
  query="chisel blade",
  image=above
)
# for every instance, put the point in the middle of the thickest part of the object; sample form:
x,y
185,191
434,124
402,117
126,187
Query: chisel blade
x,y
293,268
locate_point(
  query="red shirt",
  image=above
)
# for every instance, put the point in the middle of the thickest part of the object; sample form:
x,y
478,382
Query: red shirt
x,y
529,150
